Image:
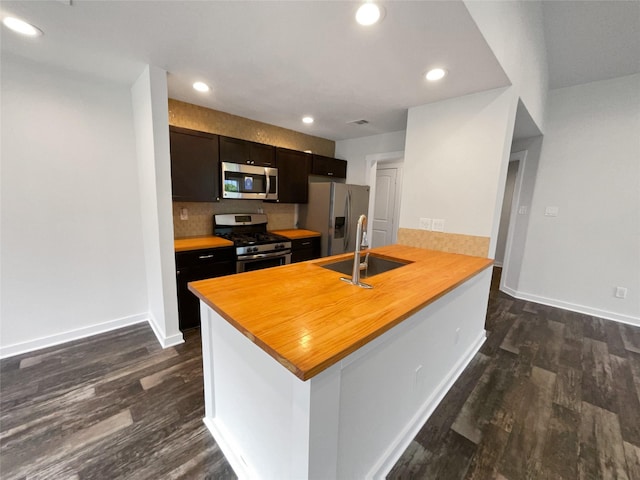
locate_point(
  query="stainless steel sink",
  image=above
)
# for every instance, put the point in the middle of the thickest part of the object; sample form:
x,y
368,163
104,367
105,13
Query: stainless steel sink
x,y
375,266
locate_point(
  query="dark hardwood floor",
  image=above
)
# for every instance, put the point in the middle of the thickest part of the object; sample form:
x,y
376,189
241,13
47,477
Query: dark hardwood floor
x,y
551,395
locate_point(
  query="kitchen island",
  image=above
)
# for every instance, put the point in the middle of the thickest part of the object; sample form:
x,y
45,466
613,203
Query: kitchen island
x,y
307,376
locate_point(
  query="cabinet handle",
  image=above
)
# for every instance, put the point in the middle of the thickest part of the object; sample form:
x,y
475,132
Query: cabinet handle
x,y
202,257
267,164
306,243
330,173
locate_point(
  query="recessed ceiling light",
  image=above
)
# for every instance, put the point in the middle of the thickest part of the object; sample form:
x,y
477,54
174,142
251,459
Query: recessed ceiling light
x,y
435,74
201,87
368,14
22,27
307,120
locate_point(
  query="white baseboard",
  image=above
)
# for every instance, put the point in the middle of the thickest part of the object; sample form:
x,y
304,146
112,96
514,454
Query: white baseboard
x,y
552,302
382,468
164,341
223,439
57,339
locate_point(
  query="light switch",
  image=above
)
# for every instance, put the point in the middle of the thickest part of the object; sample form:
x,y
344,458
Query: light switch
x,y
438,225
425,223
184,214
551,212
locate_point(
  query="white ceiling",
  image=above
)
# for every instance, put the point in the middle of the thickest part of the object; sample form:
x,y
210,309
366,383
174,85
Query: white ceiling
x,y
275,61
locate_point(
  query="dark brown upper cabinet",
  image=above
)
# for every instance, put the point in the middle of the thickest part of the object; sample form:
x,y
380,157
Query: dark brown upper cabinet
x,y
235,150
329,167
195,172
293,175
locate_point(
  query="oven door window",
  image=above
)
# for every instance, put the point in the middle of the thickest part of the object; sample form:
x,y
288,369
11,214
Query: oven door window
x,y
260,263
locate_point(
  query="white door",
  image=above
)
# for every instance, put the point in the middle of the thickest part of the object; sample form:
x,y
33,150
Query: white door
x,y
384,207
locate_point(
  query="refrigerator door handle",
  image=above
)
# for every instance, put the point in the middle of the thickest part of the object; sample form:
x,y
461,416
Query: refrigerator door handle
x,y
347,222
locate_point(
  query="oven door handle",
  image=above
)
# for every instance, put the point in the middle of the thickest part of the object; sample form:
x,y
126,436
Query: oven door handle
x,y
258,256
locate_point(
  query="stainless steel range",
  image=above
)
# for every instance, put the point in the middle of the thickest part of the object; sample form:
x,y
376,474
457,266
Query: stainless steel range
x,y
255,247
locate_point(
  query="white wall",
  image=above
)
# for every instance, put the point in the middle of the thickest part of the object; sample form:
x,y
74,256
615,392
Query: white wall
x,y
151,125
355,151
514,31
590,169
456,158
72,253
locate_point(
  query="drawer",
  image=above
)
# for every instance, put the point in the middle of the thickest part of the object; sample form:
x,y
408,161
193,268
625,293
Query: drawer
x,y
204,256
303,249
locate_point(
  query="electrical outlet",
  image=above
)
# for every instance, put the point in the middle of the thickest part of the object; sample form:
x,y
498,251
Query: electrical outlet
x,y
184,214
425,223
621,292
523,210
438,225
551,212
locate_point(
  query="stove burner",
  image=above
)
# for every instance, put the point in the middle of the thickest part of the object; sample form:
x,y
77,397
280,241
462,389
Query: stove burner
x,y
256,238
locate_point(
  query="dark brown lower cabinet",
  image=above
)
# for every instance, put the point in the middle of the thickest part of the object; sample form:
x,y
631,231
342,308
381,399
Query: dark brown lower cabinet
x,y
303,249
199,265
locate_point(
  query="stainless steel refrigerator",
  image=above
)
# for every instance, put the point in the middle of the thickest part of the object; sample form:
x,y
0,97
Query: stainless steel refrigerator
x,y
333,210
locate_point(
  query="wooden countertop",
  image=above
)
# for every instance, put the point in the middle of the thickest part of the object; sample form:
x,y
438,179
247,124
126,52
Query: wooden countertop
x,y
198,243
307,319
295,234
211,241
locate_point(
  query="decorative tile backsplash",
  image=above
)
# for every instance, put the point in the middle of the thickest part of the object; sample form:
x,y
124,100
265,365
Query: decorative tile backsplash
x,y
280,216
187,115
444,242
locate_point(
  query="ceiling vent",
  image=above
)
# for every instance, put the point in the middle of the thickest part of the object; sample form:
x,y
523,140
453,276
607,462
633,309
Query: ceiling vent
x,y
358,122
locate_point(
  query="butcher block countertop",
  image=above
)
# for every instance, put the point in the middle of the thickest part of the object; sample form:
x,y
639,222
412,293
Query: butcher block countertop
x,y
295,234
307,319
198,243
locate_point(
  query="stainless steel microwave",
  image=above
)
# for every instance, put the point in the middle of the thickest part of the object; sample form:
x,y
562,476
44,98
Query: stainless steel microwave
x,y
249,181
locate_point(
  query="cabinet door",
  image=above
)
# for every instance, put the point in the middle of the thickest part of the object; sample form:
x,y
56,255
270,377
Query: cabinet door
x,y
198,265
194,165
330,167
303,249
293,175
263,155
235,150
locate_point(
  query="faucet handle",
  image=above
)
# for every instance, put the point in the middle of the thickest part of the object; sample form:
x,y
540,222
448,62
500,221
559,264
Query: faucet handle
x,y
364,243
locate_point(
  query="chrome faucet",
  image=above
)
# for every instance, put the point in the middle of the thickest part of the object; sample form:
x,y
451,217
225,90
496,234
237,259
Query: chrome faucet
x,y
361,247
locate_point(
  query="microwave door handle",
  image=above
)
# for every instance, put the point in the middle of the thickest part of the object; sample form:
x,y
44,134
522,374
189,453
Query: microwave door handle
x,y
266,174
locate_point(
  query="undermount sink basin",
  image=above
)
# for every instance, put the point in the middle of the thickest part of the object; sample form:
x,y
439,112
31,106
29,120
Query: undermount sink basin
x,y
375,266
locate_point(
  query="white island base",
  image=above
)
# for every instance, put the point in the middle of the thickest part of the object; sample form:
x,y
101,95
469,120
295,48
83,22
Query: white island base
x,y
352,420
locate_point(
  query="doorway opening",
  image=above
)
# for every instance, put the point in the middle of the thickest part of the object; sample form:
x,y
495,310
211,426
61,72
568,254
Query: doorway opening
x,y
385,178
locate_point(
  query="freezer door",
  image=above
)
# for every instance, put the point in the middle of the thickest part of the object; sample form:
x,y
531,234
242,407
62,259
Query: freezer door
x,y
339,219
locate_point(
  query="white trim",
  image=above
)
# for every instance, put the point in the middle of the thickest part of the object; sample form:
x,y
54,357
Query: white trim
x,y
162,339
400,444
57,339
220,435
552,302
521,158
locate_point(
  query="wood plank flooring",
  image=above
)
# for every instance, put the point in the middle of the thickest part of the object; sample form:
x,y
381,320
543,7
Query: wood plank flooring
x,y
551,395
